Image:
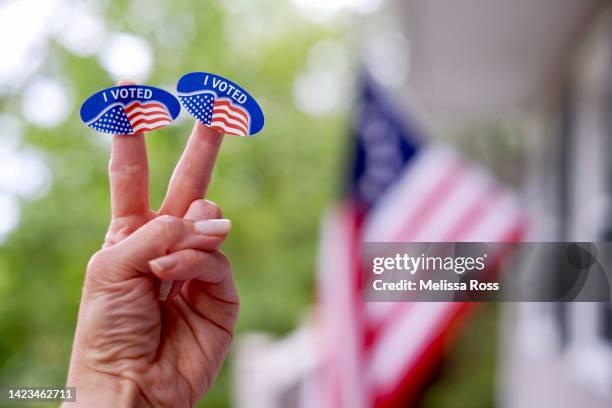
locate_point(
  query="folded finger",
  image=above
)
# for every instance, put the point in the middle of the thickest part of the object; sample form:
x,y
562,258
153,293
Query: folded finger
x,y
219,300
189,264
198,210
167,234
209,288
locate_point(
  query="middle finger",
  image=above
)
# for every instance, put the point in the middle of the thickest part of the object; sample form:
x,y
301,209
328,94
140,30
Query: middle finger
x,y
193,172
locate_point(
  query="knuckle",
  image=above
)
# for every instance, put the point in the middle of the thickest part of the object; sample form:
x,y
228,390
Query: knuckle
x,y
194,256
213,209
198,208
223,260
99,260
166,225
204,209
168,221
104,267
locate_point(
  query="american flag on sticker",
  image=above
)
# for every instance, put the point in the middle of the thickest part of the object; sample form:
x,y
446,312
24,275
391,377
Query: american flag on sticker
x,y
220,104
129,109
147,116
133,118
221,114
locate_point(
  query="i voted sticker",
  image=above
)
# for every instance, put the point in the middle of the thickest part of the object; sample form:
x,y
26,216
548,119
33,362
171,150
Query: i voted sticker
x,y
220,104
129,109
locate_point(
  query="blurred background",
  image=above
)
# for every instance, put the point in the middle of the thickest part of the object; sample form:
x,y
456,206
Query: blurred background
x,y
367,103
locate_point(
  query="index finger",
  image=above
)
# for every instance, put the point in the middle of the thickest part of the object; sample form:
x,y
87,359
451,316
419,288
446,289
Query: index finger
x,y
128,172
193,172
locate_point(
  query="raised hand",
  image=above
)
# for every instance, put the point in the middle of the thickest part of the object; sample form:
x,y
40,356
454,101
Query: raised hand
x,y
130,348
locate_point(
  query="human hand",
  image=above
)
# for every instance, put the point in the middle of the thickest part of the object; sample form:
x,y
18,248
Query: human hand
x,y
131,349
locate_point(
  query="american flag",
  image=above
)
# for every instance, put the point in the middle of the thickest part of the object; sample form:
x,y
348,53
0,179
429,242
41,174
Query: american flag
x,y
133,118
147,116
399,190
221,114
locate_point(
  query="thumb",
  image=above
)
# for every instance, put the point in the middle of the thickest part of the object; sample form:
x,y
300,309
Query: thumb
x,y
158,237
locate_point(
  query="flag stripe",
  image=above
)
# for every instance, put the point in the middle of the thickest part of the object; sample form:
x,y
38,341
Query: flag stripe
x,y
490,194
147,121
229,121
226,125
505,215
147,116
138,104
226,103
238,114
150,117
222,129
149,111
466,187
419,176
430,203
153,126
229,113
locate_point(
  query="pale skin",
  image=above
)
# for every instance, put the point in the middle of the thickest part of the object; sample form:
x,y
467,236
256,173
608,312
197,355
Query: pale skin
x,y
132,349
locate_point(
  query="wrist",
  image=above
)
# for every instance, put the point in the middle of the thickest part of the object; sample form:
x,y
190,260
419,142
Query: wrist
x,y
97,389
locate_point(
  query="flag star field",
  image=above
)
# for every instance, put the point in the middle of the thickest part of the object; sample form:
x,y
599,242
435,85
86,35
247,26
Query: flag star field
x,y
200,106
113,120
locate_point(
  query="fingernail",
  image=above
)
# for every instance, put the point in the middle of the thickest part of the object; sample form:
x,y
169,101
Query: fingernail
x,y
164,289
163,263
213,227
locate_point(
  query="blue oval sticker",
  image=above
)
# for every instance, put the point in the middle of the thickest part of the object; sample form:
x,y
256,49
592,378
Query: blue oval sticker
x,y
220,104
129,109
